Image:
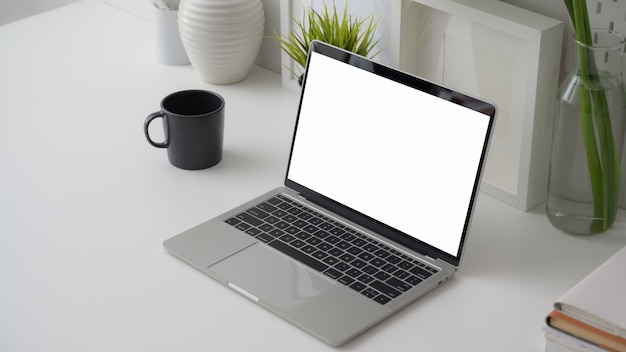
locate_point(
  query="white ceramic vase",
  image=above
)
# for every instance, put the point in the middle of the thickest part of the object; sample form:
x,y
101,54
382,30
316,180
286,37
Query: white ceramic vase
x,y
222,38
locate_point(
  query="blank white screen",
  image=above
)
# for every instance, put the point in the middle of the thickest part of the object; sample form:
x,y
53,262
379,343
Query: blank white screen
x,y
398,155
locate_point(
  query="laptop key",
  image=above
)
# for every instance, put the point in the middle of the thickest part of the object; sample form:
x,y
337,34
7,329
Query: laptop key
x,y
264,237
377,262
292,230
382,299
348,237
310,229
385,289
413,280
233,221
297,243
346,280
359,242
274,201
406,265
258,213
336,252
324,246
357,286
276,233
308,249
267,207
381,275
290,218
401,274
337,231
332,273
282,225
370,248
381,253
332,239
366,256
320,255
432,270
253,231
353,272
331,260
314,241
249,219
343,245
342,266
358,264
266,228
299,256
302,235
347,257
284,198
279,213
399,285
294,211
284,206
326,226
394,259
242,226
300,223
321,234
366,279
316,221
369,293
354,250
305,216
388,268
370,269
421,273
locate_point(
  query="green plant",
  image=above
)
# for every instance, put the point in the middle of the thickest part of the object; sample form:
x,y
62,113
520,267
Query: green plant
x,y
602,155
347,32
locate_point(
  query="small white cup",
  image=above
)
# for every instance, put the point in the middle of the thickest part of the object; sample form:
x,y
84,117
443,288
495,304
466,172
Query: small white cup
x,y
168,47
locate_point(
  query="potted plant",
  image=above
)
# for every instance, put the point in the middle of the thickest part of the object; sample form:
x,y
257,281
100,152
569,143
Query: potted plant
x,y
346,31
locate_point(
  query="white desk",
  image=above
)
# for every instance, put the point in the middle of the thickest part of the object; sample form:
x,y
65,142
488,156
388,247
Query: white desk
x,y
85,204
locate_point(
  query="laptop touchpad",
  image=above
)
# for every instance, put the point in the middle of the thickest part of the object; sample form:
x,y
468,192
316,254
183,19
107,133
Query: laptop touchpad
x,y
271,277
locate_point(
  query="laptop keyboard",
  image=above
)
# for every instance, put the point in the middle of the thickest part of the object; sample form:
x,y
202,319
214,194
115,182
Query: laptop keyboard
x,y
330,247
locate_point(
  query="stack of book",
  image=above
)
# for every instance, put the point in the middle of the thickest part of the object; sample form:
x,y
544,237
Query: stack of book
x,y
591,316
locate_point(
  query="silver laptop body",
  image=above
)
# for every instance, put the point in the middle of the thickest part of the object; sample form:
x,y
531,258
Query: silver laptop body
x,y
379,157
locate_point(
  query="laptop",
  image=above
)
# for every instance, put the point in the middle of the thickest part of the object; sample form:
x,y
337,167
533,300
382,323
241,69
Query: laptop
x,y
376,204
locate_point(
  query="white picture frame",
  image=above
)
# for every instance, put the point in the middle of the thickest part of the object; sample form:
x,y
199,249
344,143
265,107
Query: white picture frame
x,y
503,54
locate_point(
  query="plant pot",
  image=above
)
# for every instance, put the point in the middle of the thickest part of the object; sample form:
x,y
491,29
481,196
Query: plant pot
x,y
222,38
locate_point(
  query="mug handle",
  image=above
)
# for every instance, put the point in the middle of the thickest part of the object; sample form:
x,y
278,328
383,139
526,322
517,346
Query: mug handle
x,y
149,119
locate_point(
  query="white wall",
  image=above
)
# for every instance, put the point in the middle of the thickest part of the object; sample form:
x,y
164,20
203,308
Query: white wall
x,y
602,14
11,10
381,8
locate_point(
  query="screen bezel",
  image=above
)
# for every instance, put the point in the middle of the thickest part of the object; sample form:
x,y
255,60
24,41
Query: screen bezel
x,y
417,83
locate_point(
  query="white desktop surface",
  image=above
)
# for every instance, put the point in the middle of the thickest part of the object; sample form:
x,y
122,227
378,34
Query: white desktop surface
x,y
85,204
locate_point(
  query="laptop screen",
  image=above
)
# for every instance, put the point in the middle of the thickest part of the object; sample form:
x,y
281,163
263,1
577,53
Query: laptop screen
x,y
381,145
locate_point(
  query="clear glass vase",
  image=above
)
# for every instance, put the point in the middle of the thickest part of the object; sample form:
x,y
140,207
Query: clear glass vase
x,y
588,139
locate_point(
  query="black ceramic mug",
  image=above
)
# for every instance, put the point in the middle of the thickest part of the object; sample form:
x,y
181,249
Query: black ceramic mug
x,y
193,122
